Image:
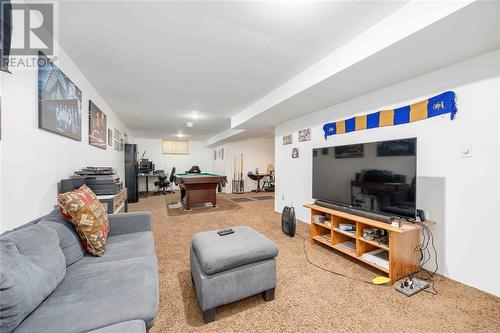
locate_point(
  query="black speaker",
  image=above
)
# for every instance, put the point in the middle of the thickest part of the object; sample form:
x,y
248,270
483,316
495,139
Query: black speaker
x,y
131,169
6,34
288,221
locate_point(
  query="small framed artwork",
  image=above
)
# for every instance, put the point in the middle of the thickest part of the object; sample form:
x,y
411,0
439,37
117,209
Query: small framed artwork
x,y
121,144
110,137
295,153
287,139
221,153
118,137
125,138
305,135
97,126
215,154
59,101
350,151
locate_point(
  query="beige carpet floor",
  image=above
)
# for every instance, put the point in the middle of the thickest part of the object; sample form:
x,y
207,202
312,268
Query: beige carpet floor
x,y
173,208
307,298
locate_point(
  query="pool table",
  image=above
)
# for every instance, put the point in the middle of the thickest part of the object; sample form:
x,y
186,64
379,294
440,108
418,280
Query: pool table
x,y
200,187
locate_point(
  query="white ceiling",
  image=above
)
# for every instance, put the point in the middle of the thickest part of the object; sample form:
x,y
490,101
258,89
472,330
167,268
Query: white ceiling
x,y
469,32
156,62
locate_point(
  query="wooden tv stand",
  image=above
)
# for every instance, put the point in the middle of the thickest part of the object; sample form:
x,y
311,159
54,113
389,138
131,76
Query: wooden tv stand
x,y
403,241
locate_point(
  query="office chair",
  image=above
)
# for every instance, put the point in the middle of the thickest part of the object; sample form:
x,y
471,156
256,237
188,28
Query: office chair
x,y
171,181
268,185
162,183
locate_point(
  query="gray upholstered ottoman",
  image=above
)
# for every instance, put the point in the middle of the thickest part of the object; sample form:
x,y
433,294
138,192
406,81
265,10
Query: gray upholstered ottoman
x,y
228,268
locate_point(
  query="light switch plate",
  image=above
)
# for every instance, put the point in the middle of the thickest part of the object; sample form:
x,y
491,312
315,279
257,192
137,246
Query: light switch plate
x,y
466,152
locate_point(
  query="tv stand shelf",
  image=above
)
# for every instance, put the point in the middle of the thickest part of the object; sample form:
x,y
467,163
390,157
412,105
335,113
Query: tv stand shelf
x,y
402,248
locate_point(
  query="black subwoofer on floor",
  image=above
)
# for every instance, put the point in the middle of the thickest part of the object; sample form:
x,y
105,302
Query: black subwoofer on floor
x,y
288,221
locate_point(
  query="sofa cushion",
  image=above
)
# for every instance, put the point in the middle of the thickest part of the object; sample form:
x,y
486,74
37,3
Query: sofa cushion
x,y
68,238
122,247
98,295
131,326
244,246
82,208
31,266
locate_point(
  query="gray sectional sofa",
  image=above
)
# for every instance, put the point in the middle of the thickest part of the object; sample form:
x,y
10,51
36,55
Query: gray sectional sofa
x,y
49,284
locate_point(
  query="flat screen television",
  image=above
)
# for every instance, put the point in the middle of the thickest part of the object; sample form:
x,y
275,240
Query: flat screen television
x,y
376,177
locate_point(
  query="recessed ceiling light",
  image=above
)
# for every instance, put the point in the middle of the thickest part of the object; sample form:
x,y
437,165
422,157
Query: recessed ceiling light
x,y
180,135
189,124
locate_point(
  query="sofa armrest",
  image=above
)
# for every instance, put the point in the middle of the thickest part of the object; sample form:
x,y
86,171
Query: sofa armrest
x,y
126,223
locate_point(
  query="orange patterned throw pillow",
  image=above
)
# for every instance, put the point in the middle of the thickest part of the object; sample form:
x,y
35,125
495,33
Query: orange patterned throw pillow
x,y
83,209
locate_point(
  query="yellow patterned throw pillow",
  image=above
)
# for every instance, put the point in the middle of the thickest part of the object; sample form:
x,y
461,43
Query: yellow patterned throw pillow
x,y
83,209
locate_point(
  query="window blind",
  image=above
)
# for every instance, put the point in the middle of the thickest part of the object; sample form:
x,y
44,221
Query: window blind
x,y
175,147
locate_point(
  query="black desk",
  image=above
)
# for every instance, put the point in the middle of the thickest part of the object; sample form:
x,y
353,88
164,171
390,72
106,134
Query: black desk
x,y
147,176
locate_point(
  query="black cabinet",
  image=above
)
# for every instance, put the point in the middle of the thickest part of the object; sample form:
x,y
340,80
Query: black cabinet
x,y
131,168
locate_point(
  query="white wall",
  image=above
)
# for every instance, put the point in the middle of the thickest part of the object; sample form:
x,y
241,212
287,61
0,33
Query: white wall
x,y
33,160
257,153
198,155
461,193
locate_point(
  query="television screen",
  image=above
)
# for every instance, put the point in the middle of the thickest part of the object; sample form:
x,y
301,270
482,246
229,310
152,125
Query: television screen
x,y
378,177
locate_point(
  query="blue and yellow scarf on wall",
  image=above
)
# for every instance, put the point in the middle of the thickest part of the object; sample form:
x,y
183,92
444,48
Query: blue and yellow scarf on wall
x,y
432,107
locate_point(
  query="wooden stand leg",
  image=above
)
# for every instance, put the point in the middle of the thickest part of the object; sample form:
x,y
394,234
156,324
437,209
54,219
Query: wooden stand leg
x,y
209,315
268,295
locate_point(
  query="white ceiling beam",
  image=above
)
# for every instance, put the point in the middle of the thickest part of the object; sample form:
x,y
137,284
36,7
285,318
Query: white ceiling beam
x,y
411,18
220,138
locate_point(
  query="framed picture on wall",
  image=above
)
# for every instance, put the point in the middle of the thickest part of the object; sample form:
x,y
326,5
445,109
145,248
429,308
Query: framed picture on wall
x,y
287,139
295,153
97,126
215,155
118,138
110,137
59,101
305,135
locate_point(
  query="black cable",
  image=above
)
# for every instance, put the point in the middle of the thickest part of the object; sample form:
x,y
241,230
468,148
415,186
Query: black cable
x,y
325,269
425,256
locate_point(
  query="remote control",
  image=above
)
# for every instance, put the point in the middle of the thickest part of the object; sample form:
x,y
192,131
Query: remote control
x,y
225,232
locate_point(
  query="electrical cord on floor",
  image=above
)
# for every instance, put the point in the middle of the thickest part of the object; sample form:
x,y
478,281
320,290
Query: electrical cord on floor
x,y
426,255
325,269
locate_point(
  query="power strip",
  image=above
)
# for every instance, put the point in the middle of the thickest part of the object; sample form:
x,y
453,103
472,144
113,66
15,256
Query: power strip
x,y
412,286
